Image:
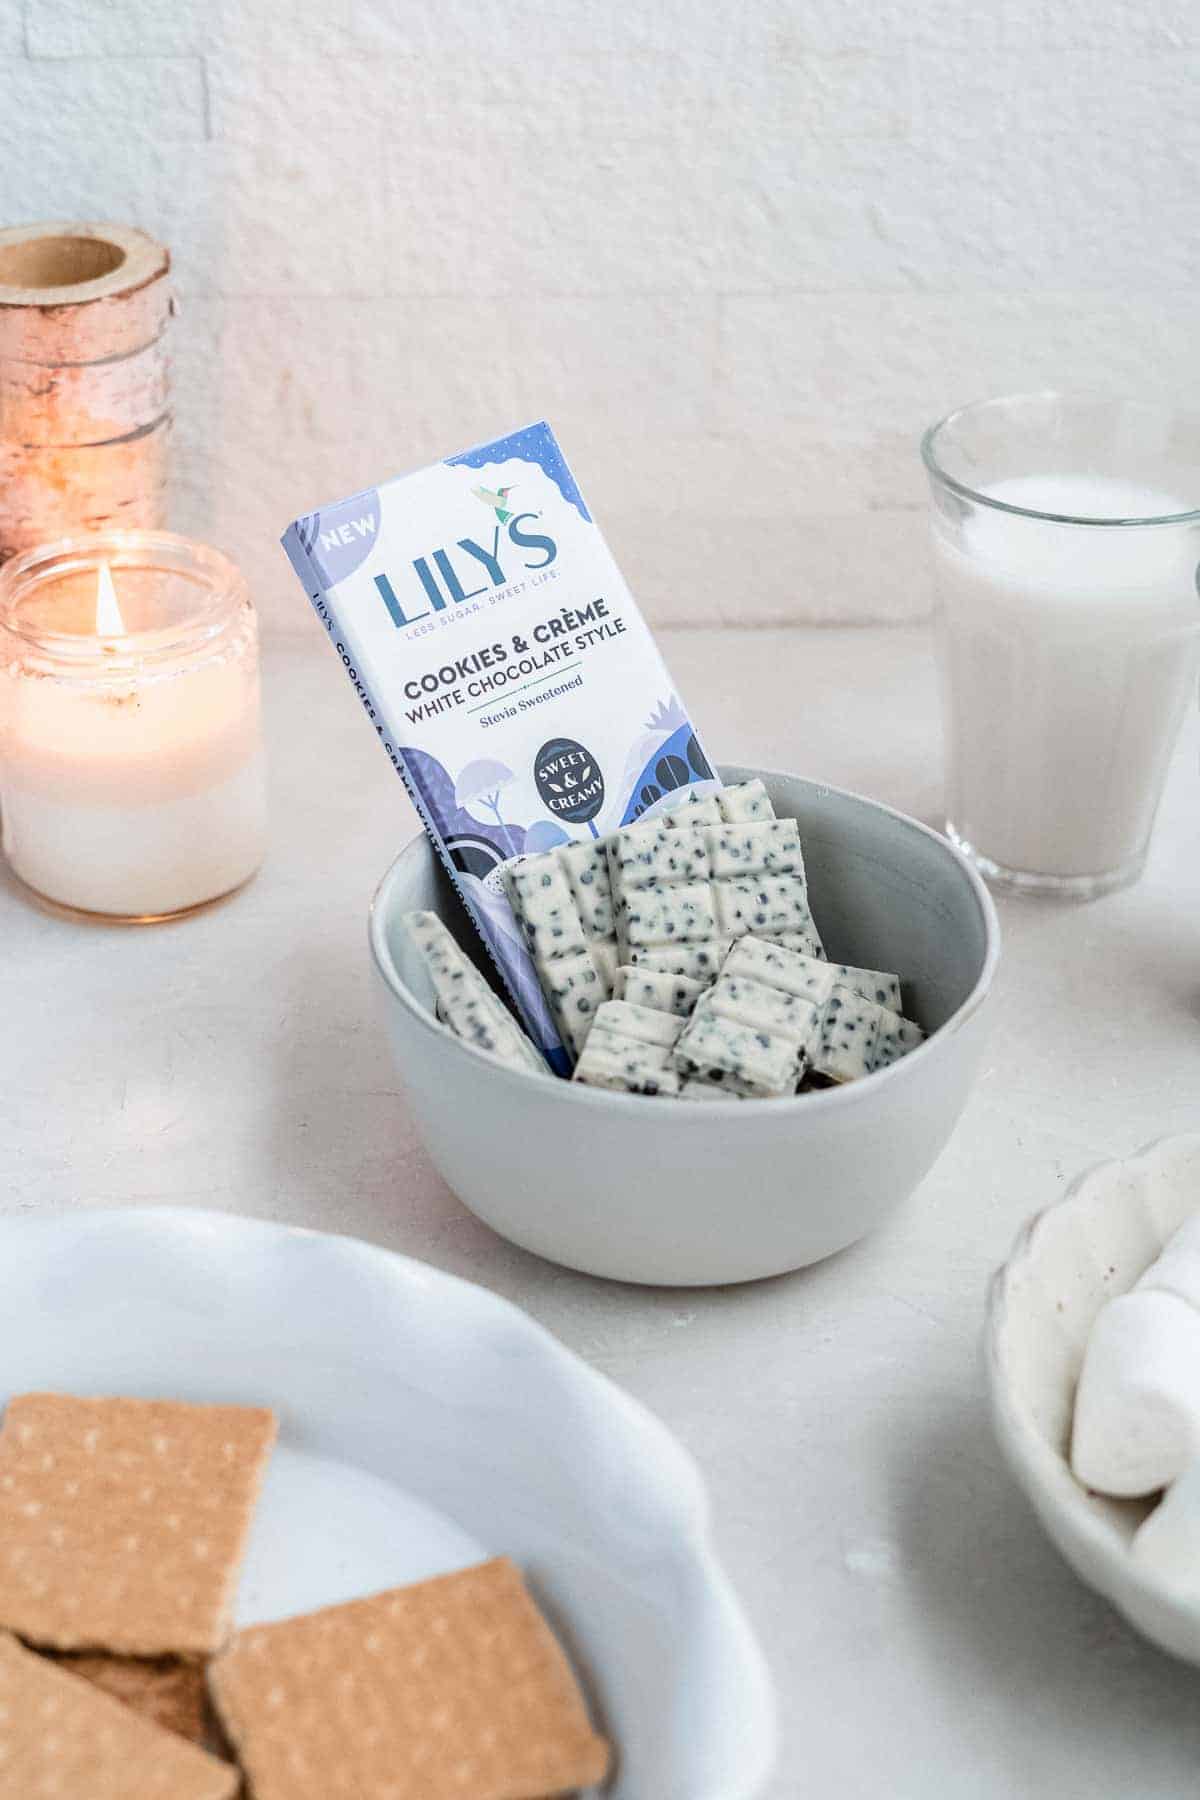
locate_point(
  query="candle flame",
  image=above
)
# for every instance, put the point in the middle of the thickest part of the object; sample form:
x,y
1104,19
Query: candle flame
x,y
109,623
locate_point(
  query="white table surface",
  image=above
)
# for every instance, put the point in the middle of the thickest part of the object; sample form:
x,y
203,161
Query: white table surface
x,y
925,1638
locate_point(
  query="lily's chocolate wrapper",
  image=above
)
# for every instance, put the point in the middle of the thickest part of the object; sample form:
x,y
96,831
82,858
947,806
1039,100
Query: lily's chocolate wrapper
x,y
505,666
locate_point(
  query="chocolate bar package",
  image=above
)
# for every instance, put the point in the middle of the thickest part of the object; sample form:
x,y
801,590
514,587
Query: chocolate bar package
x,y
506,669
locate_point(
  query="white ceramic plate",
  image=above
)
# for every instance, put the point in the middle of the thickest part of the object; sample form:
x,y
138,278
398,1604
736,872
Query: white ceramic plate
x,y
1069,1260
425,1424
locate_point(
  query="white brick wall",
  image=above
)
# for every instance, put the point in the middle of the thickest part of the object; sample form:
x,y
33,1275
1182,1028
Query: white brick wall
x,y
738,255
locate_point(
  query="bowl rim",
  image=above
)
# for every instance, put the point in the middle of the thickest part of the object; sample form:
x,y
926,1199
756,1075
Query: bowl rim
x,y
825,1100
1044,1474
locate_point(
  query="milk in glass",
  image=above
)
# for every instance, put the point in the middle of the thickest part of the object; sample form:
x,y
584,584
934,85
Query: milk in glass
x,y
1069,654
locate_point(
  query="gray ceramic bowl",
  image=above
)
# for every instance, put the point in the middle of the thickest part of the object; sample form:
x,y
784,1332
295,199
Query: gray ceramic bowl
x,y
713,1191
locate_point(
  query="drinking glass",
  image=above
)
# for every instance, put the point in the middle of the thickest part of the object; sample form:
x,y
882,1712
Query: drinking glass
x,y
1066,537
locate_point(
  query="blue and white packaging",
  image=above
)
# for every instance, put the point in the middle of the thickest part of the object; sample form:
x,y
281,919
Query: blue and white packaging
x,y
505,667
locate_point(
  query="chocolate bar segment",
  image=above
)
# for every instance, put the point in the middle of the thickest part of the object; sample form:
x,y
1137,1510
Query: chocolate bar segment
x,y
654,988
775,1017
696,962
745,801
464,1001
750,1032
849,1028
808,976
857,1037
895,1038
629,1048
563,902
728,1088
678,888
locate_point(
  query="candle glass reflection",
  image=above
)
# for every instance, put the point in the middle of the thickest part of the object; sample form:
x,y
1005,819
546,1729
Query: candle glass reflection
x,y
131,766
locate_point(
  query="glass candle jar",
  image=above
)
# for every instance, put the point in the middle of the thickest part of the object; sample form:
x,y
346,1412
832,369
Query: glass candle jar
x,y
1066,539
131,765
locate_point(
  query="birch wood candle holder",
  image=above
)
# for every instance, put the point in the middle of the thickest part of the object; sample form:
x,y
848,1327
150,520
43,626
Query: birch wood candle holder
x,y
84,381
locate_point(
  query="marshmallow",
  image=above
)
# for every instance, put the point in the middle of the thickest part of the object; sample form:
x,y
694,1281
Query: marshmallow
x,y
1168,1544
1177,1269
1137,1407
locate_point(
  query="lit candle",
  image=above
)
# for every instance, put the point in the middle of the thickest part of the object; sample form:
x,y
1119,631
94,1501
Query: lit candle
x,y
131,768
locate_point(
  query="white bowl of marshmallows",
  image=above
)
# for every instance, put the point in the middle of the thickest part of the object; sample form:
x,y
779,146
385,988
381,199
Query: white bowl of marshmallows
x,y
1093,1359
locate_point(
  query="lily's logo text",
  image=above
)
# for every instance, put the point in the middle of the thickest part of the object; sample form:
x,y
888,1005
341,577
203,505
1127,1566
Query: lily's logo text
x,y
448,577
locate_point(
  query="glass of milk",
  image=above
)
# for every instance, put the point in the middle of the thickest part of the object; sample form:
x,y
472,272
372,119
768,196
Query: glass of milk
x,y
1066,538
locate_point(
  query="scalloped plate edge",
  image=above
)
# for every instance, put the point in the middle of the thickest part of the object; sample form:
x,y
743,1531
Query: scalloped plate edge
x,y
675,1472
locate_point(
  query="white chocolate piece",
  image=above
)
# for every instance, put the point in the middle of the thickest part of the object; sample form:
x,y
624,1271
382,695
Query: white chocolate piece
x,y
627,1068
745,1031
849,1029
857,1036
703,962
764,847
1167,1545
463,1000
696,1089
745,801
697,962
696,810
640,1024
876,985
791,971
652,987
630,1048
698,885
762,1007
895,1038
563,903
798,1014
681,913
718,1048
771,906
809,976
1137,1407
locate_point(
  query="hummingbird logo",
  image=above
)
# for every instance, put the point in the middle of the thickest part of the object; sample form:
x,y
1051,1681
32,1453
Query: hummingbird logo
x,y
498,499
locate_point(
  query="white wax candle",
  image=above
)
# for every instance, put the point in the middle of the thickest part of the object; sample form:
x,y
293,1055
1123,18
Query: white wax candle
x,y
1069,654
131,781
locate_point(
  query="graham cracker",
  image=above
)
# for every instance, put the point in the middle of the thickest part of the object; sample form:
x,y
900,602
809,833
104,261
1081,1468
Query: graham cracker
x,y
123,1522
61,1737
454,1689
164,1690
